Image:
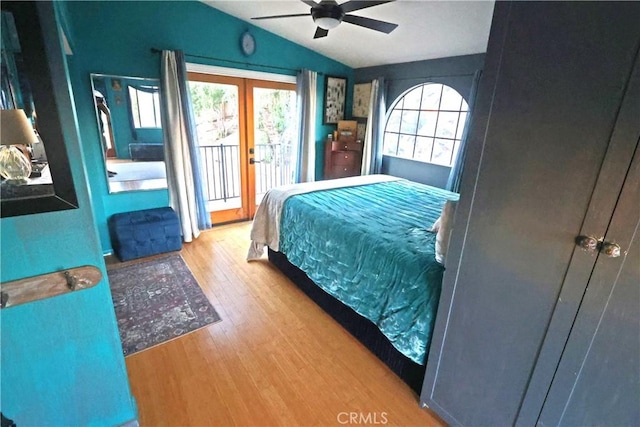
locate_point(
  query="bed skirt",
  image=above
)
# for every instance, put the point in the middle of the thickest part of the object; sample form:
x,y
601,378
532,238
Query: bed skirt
x,y
360,327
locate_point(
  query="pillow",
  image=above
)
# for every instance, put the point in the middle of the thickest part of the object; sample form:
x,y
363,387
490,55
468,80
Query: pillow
x,y
443,227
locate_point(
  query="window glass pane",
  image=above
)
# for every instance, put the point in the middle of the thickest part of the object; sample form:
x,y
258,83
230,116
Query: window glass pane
x,y
461,123
442,151
405,146
147,110
412,99
427,123
447,123
451,100
156,100
430,120
391,143
423,149
431,97
393,124
409,122
133,95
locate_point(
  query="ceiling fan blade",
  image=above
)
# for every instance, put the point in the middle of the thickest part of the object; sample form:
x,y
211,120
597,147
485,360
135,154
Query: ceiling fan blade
x,y
374,24
320,32
310,3
280,16
353,5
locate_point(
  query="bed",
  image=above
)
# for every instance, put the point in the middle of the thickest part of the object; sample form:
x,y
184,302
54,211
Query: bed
x,y
362,249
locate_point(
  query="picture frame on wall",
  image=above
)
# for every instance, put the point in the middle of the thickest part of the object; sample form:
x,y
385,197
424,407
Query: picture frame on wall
x,y
335,96
362,130
361,98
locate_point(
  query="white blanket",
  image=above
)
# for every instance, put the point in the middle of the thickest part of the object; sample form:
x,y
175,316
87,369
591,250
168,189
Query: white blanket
x,y
265,230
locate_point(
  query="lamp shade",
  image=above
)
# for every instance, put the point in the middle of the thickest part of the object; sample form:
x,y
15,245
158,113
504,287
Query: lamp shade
x,y
15,128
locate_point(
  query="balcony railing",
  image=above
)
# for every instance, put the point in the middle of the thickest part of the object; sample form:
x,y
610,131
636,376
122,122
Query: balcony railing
x,y
221,170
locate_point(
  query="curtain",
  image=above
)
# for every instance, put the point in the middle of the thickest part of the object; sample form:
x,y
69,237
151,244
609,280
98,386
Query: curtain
x,y
306,99
455,175
372,150
181,148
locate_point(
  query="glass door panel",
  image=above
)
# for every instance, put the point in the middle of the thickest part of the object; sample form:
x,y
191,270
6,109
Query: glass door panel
x,y
274,135
217,104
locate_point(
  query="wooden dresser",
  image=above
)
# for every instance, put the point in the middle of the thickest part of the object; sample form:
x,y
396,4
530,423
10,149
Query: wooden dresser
x,y
342,158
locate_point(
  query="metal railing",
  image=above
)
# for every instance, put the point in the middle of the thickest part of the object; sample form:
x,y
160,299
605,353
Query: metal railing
x,y
220,169
275,166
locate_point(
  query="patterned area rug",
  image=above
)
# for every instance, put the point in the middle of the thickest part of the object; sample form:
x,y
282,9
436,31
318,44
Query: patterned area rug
x,y
157,300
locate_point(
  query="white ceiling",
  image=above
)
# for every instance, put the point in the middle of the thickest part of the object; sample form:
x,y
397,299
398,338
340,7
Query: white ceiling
x,y
427,29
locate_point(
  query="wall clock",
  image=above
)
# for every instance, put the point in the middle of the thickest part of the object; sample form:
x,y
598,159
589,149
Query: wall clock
x,y
247,43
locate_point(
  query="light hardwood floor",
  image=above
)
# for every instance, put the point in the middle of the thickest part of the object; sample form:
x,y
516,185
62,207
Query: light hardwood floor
x,y
275,359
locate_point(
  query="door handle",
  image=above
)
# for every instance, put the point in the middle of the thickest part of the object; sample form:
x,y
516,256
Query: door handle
x,y
612,250
254,161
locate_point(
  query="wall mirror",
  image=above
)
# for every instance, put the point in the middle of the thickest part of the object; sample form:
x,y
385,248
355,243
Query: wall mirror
x,y
130,131
27,88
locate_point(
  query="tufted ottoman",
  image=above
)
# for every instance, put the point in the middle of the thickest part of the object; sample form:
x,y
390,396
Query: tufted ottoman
x,y
146,232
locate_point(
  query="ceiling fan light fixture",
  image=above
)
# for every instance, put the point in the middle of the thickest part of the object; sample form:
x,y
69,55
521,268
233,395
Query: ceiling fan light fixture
x,y
326,22
327,15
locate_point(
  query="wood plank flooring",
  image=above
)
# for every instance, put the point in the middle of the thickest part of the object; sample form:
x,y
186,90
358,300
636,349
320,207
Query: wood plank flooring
x,y
275,359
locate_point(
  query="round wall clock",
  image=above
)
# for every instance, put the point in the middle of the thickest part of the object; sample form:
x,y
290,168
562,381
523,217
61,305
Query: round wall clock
x,y
247,43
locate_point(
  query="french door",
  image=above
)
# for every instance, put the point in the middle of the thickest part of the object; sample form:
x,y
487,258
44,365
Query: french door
x,y
247,135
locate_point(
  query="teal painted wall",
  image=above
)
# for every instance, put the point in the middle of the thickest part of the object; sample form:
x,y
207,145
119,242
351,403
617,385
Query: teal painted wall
x,y
116,38
62,361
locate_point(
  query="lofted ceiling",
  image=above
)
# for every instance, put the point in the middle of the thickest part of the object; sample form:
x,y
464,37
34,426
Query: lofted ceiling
x,y
427,29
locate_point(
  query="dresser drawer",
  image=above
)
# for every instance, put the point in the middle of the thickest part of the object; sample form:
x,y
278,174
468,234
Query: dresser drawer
x,y
346,145
344,158
341,171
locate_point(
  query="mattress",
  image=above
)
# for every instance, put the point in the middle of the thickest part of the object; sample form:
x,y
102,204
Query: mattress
x,y
370,247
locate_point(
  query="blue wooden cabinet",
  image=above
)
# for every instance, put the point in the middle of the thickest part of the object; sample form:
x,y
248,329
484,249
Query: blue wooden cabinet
x,y
532,329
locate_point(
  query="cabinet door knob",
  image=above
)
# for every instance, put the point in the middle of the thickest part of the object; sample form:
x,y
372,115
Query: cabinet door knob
x,y
587,243
612,250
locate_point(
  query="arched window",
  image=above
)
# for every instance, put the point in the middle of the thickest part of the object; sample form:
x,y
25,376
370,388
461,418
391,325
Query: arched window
x,y
426,124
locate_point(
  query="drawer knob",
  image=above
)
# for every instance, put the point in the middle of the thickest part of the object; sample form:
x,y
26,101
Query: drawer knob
x,y
612,250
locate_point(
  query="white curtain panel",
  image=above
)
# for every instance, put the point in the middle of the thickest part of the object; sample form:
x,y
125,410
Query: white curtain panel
x,y
372,150
306,87
178,154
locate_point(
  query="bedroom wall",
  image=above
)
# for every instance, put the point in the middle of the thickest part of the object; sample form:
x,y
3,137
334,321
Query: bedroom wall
x,y
62,361
456,72
116,38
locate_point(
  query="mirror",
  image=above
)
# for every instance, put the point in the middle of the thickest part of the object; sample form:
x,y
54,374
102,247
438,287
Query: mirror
x,y
130,131
26,83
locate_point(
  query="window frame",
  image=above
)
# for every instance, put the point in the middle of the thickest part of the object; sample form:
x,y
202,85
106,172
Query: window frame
x,y
398,106
155,101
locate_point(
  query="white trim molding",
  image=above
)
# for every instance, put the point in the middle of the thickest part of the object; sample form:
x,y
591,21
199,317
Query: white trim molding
x,y
236,72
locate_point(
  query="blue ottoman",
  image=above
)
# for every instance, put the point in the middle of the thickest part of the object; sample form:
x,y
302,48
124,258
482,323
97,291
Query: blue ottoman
x,y
146,232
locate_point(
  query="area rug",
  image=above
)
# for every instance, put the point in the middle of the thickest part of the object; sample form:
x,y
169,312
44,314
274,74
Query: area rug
x,y
157,300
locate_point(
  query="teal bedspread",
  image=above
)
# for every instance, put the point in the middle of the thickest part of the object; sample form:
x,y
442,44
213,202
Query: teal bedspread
x,y
369,247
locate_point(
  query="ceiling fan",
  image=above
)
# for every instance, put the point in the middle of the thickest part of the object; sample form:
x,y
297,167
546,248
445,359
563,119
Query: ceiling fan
x,y
329,14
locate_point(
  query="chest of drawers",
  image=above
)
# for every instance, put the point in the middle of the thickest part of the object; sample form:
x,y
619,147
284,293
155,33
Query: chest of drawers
x,y
342,158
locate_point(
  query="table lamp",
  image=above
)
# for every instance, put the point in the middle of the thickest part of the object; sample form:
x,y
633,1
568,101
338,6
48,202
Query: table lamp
x,y
15,129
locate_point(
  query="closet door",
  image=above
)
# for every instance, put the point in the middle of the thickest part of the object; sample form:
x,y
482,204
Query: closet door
x,y
605,198
598,379
543,168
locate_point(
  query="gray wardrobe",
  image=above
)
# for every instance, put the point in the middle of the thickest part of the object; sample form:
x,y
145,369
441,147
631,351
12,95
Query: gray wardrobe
x,y
539,320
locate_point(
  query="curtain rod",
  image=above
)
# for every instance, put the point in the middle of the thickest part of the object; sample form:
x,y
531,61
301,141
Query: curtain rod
x,y
275,67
